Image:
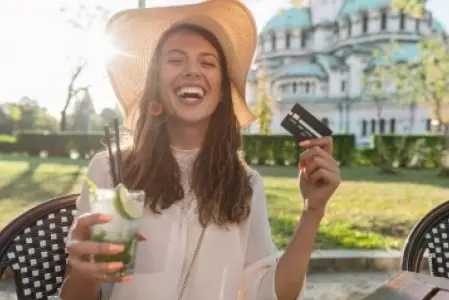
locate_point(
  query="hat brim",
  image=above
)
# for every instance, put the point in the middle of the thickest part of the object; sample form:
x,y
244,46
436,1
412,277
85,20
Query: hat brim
x,y
135,34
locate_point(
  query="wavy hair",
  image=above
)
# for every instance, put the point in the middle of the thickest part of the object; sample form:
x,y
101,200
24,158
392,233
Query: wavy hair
x,y
220,179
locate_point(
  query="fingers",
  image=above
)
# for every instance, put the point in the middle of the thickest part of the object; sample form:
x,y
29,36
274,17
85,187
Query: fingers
x,y
102,272
326,143
87,220
324,176
314,153
318,166
316,163
83,248
83,224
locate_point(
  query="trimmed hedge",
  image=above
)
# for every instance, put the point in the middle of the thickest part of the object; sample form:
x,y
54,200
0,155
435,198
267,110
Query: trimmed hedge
x,y
417,151
259,149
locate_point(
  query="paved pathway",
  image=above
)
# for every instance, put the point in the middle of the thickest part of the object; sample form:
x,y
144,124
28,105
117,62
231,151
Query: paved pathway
x,y
329,286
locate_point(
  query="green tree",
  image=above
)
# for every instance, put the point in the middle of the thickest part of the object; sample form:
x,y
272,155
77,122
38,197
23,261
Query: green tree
x,y
386,81
422,81
28,116
82,18
430,86
377,90
263,106
84,114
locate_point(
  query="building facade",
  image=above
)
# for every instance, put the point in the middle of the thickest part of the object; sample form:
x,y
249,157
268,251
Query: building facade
x,y
317,55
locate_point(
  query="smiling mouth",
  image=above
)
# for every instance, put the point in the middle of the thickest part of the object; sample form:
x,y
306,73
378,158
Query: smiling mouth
x,y
190,94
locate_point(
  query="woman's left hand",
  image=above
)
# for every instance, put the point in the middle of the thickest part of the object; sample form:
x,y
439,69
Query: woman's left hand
x,y
319,173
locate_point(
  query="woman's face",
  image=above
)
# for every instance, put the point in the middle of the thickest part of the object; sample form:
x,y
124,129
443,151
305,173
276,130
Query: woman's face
x,y
190,76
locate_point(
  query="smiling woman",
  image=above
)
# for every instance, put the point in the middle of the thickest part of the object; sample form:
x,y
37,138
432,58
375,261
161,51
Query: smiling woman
x,y
179,74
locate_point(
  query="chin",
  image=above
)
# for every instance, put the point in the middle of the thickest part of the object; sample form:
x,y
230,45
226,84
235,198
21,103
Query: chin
x,y
192,119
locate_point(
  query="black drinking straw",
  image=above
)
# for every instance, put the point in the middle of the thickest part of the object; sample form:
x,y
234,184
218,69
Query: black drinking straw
x,y
111,158
119,154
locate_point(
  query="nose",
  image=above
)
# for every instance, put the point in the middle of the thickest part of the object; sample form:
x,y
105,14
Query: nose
x,y
192,71
191,75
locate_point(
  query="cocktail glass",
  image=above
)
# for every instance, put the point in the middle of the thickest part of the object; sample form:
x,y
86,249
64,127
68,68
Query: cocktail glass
x,y
126,208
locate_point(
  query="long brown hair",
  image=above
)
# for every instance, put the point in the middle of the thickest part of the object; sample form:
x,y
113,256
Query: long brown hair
x,y
220,179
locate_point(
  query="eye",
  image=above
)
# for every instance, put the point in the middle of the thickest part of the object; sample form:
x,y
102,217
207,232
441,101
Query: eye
x,y
175,61
208,64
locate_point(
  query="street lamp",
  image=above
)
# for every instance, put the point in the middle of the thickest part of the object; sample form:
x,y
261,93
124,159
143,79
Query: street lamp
x,y
142,4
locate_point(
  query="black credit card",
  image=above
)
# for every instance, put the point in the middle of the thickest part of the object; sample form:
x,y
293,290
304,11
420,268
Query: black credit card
x,y
303,125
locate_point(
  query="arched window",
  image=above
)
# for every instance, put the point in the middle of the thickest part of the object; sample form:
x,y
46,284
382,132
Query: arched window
x,y
294,87
288,37
382,126
393,125
365,22
364,128
307,87
273,41
401,20
373,126
383,19
303,38
429,125
348,23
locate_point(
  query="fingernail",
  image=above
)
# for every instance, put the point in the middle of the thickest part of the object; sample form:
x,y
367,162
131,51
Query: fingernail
x,y
305,143
302,166
126,278
116,248
115,266
105,218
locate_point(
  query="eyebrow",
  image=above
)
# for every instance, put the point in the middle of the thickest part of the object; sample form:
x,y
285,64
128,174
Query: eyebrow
x,y
183,53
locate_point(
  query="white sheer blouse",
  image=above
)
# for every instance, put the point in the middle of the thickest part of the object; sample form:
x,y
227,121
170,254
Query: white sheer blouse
x,y
237,263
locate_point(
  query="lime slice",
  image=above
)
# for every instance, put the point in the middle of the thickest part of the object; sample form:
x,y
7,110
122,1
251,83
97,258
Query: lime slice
x,y
124,206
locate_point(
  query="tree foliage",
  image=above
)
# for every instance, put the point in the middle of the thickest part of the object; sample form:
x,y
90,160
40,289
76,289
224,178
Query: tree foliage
x,y
411,7
422,81
263,108
82,19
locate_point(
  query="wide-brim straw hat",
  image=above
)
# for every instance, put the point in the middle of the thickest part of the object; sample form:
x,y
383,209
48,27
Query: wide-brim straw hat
x,y
135,33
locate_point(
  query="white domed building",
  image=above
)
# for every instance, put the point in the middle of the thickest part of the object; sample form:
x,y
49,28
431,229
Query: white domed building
x,y
316,56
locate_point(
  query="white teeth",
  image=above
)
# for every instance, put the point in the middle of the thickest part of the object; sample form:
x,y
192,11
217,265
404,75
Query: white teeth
x,y
190,90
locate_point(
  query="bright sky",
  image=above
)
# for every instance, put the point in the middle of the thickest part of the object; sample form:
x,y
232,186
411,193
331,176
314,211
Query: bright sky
x,y
35,42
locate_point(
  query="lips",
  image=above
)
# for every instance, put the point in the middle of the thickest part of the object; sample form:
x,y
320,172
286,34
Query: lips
x,y
190,91
190,94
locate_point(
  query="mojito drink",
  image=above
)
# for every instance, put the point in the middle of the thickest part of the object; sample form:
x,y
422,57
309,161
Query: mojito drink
x,y
126,208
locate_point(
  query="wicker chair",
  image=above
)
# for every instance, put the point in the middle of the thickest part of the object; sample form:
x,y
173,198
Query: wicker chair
x,y
431,233
33,247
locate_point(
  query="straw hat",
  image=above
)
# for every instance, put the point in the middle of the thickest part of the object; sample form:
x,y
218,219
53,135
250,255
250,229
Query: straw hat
x,y
135,33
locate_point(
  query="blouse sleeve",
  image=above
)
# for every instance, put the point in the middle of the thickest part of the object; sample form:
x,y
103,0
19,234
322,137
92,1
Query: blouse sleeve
x,y
261,253
98,173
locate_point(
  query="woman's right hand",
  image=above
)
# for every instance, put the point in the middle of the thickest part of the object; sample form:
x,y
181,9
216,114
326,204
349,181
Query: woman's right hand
x,y
80,248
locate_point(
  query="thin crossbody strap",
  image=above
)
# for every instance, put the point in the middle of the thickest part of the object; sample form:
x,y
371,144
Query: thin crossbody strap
x,y
189,271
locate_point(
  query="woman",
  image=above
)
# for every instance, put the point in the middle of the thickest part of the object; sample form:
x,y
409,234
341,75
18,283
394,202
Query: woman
x,y
207,218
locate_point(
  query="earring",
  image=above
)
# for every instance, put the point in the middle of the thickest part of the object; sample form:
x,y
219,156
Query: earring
x,y
155,108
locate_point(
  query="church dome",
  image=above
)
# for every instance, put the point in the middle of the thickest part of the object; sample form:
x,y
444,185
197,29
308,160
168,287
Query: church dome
x,y
352,7
302,69
293,18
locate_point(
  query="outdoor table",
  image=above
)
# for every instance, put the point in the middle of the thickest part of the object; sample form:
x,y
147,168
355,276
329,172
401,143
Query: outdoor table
x,y
412,286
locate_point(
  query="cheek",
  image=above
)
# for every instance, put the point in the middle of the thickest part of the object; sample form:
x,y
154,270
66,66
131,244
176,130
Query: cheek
x,y
165,77
215,82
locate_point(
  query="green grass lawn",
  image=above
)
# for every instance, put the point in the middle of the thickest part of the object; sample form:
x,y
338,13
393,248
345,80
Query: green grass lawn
x,y
368,211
